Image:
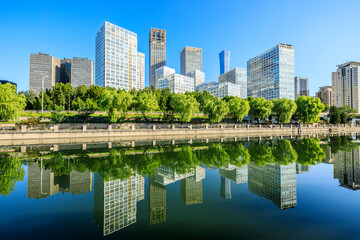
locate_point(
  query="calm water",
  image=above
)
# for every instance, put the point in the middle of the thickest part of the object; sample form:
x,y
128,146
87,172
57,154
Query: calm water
x,y
269,189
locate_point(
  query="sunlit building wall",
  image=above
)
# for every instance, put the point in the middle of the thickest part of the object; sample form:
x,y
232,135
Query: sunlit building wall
x,y
157,49
177,83
198,76
190,60
274,183
236,76
347,168
325,95
271,74
301,86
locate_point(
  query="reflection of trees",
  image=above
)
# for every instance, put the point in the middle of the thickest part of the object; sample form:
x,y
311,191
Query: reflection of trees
x,y
260,153
284,153
341,143
11,171
181,161
309,151
238,154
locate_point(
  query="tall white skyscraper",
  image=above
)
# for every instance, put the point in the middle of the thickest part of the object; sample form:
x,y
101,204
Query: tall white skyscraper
x,y
116,58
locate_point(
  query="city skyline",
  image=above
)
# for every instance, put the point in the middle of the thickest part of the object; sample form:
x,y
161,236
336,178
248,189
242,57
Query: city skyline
x,y
48,39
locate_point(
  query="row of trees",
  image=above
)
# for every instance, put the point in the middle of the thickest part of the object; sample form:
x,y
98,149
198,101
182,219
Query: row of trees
x,y
116,102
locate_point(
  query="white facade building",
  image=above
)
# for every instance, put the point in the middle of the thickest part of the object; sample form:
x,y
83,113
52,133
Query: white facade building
x,y
116,58
198,76
220,90
236,76
167,78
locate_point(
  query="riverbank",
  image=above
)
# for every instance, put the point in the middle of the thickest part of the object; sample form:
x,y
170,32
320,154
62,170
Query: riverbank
x,y
69,133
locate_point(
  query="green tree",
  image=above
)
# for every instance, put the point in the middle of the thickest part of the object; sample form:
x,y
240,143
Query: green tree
x,y
216,109
308,109
334,115
58,114
114,101
260,108
346,112
238,108
283,109
11,104
309,151
11,171
80,92
30,99
185,106
85,108
284,153
145,102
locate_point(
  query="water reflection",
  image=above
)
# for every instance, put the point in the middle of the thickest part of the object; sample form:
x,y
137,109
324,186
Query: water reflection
x,y
268,168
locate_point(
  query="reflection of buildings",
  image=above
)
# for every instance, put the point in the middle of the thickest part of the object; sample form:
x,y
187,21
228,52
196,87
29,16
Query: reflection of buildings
x,y
329,156
115,202
233,173
191,188
302,168
157,201
275,183
225,188
43,183
347,168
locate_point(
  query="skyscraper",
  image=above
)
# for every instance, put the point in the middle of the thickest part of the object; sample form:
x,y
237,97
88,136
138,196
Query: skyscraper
x,y
157,49
190,60
43,67
271,74
224,58
77,71
141,71
347,168
116,58
301,86
225,188
345,85
157,201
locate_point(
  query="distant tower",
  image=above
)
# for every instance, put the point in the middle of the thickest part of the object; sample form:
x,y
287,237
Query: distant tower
x,y
157,49
224,58
225,188
190,60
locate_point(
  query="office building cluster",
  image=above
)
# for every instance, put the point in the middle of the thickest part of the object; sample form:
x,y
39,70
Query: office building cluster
x,y
119,64
46,71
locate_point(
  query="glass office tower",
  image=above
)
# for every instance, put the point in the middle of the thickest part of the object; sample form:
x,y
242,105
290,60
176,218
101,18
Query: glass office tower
x,y
116,58
301,86
157,50
236,76
224,58
271,74
190,60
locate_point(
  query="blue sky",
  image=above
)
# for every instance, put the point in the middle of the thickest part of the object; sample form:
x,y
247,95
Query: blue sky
x,y
324,33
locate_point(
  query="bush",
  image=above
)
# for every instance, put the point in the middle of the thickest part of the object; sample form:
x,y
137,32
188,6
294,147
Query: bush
x,y
58,115
31,121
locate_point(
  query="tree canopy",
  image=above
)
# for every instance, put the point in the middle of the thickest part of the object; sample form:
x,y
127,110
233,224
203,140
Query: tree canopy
x,y
309,108
185,105
260,108
11,104
284,109
238,108
216,109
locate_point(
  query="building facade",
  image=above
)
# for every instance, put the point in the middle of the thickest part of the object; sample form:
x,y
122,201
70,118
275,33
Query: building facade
x,y
236,76
347,168
43,67
190,60
325,95
220,90
271,74
140,83
345,85
116,58
177,83
77,71
301,86
198,76
157,52
224,58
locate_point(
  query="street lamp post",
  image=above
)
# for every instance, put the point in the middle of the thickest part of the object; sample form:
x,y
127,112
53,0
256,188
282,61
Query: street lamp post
x,y
42,93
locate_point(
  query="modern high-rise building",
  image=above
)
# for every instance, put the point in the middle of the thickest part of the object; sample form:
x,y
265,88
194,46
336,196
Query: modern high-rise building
x,y
43,67
236,76
347,168
302,168
325,95
157,52
191,191
115,202
274,183
116,58
198,76
271,74
345,85
224,58
175,82
140,83
235,174
301,86
190,60
77,71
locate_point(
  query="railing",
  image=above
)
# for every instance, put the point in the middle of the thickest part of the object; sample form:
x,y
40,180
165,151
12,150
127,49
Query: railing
x,y
62,127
